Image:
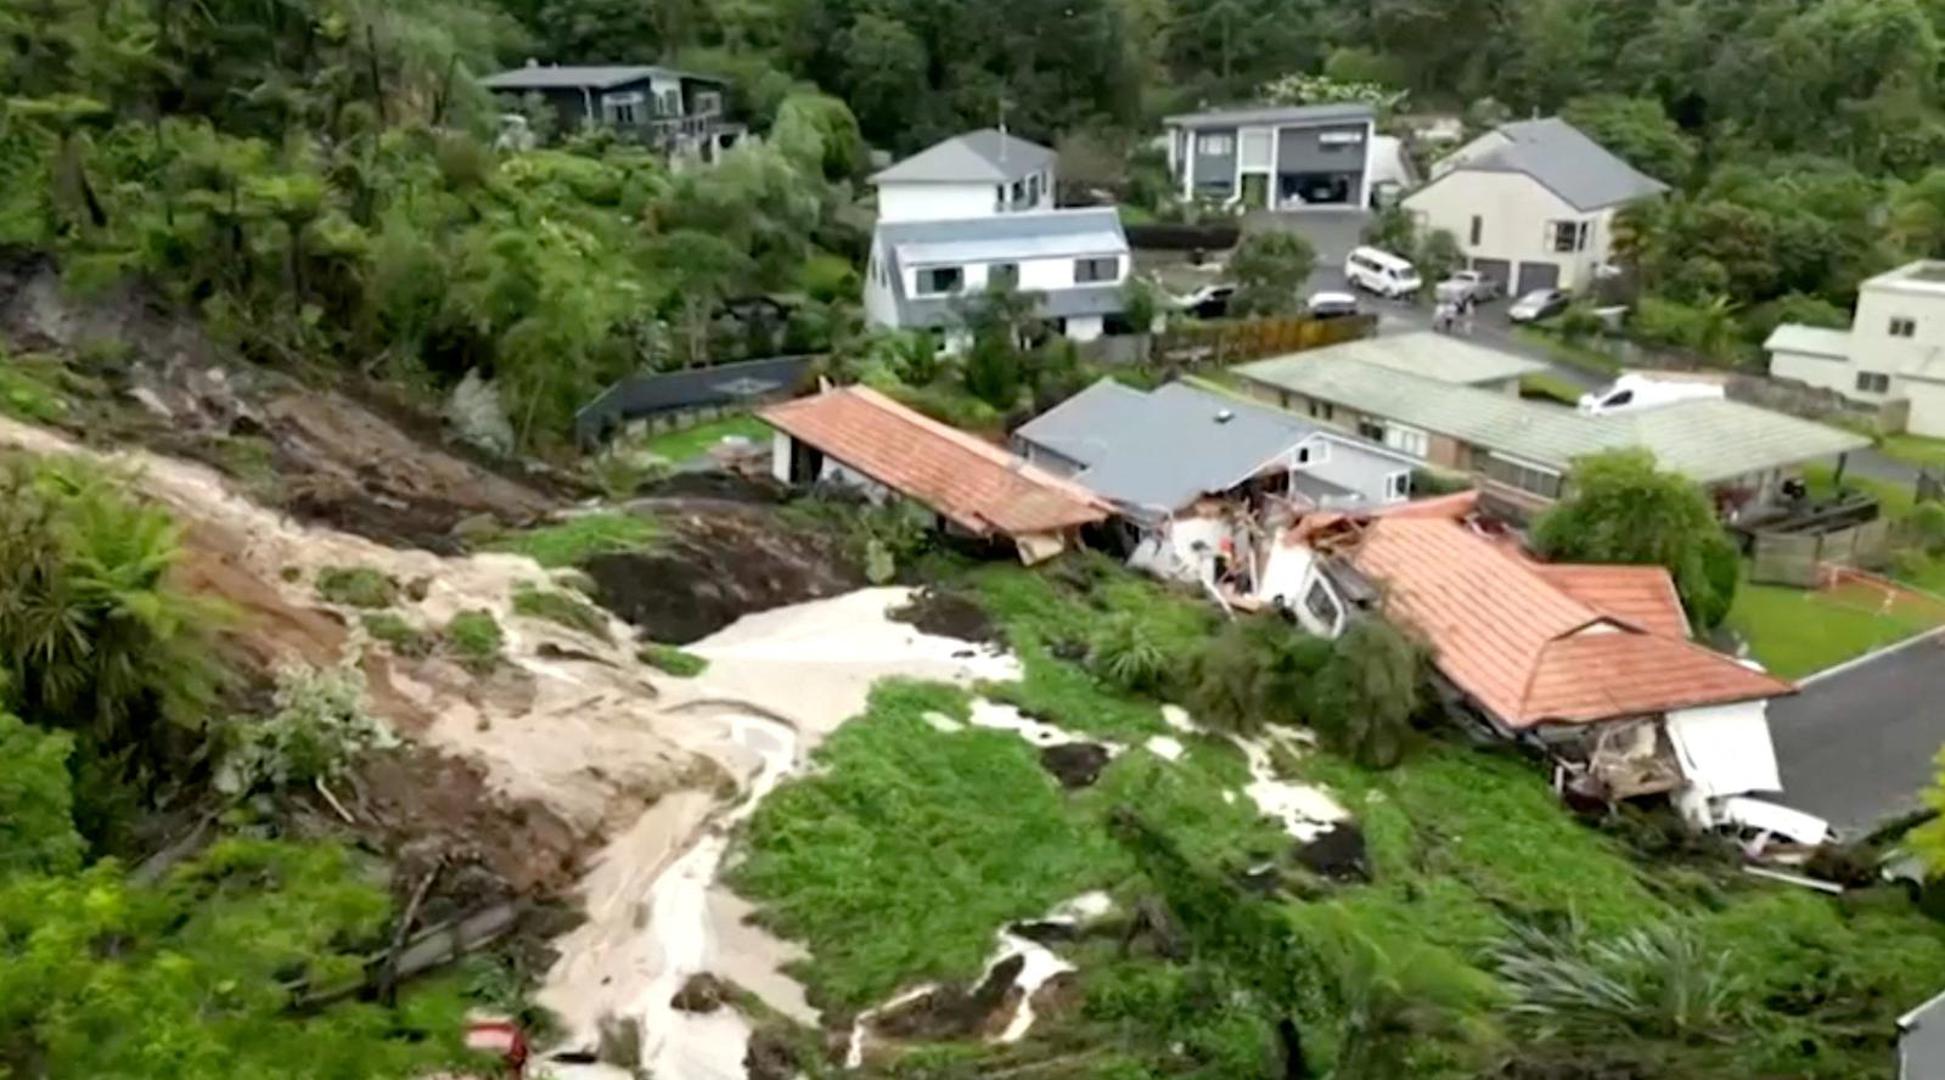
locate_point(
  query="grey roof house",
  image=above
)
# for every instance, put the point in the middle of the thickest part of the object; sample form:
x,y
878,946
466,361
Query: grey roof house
x,y
1157,453
1532,203
678,112
976,174
1283,157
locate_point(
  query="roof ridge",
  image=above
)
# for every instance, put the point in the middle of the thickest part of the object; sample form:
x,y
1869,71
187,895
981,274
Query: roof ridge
x,y
994,454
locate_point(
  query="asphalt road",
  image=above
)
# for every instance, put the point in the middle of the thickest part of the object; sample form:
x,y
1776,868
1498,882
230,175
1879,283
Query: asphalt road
x,y
1856,747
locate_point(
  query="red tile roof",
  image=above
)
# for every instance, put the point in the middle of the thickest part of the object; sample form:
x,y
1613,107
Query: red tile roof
x,y
975,484
1531,652
1643,596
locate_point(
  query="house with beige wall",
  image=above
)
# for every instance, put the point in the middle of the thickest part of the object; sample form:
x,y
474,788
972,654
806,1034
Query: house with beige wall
x,y
1894,351
1532,203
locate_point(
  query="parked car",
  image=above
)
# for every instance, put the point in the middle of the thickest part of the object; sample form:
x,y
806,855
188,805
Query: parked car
x,y
1468,284
1536,305
1208,302
1331,305
1381,272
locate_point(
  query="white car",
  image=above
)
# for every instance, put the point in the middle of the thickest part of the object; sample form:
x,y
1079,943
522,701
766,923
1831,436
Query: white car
x,y
1331,305
1469,283
1381,272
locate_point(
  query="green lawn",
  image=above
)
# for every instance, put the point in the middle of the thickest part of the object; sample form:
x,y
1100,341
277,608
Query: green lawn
x,y
1795,632
1549,387
569,542
1916,449
693,442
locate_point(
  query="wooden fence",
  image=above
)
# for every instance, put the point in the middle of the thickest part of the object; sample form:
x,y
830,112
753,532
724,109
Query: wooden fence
x,y
1796,558
1237,340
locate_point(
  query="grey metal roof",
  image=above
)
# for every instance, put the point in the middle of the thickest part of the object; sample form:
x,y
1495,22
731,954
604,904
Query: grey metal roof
x,y
1811,340
1434,355
987,156
576,76
1340,112
1567,162
1708,440
1076,233
648,394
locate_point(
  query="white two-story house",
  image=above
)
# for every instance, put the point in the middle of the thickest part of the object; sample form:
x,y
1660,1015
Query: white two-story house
x,y
977,212
1893,351
1532,203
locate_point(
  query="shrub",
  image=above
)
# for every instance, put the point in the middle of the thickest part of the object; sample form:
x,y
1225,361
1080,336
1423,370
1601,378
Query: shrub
x,y
577,539
671,660
317,726
561,609
1126,651
475,639
356,586
392,629
1368,692
1256,671
1927,525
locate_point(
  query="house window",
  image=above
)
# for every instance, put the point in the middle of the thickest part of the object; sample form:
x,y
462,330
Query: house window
x,y
999,198
1019,193
1033,190
623,109
1371,429
1313,453
671,103
1003,276
1214,145
1397,487
1409,439
1873,382
708,102
1090,271
939,280
1569,236
1322,605
1530,478
1478,229
1322,410
1903,327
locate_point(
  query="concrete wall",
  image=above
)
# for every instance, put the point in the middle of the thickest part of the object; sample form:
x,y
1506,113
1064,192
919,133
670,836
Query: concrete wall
x,y
1514,213
1820,371
1927,399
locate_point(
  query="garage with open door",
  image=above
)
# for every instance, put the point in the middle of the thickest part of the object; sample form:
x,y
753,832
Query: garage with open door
x,y
1536,275
1320,165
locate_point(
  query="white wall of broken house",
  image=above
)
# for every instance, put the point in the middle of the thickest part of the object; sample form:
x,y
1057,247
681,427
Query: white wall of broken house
x,y
1350,465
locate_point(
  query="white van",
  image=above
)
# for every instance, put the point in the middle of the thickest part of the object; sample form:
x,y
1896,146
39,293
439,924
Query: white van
x,y
1381,272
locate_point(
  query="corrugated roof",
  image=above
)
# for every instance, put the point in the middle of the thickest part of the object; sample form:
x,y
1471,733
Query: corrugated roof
x,y
1814,340
1643,596
1166,448
1529,652
575,76
1564,160
1433,355
1096,230
978,486
1338,112
987,156
1707,440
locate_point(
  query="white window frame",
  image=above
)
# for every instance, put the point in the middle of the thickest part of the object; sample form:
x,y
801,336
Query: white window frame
x,y
1114,273
1903,326
1574,232
1397,487
1313,452
1873,382
1207,142
1410,440
622,107
919,280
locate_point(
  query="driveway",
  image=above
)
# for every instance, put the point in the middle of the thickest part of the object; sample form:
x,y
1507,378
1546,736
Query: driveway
x,y
1856,746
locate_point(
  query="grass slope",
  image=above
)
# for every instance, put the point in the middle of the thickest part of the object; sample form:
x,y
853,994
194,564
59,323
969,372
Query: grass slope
x,y
680,446
569,542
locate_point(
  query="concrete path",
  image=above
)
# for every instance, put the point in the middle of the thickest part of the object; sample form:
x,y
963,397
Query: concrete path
x,y
1856,746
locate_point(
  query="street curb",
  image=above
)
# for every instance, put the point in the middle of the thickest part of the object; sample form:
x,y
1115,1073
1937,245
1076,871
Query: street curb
x,y
1879,654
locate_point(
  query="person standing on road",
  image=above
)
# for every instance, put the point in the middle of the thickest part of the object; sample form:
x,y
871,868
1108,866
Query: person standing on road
x,y
1466,304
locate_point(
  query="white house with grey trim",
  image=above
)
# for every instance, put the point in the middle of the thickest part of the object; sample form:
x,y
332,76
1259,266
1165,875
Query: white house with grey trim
x,y
1893,351
977,212
680,113
1278,157
1532,203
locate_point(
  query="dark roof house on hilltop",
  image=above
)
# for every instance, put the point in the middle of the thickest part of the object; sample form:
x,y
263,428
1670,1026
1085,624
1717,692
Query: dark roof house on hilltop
x,y
680,113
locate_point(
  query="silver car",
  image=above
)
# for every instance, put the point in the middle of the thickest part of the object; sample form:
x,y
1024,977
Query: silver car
x,y
1537,305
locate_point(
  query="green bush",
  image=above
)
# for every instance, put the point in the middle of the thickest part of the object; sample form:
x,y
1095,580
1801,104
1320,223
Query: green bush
x,y
1256,671
1128,652
392,629
671,660
1927,524
475,639
1368,692
562,610
317,725
356,586
579,538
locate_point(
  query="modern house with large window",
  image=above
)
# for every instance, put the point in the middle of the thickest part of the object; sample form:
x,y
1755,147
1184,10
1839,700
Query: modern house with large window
x,y
976,212
678,112
1275,157
1894,350
1532,203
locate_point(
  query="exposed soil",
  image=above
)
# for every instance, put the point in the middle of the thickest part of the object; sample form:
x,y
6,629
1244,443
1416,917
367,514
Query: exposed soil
x,y
421,800
1075,765
949,614
1337,854
717,566
953,1012
703,993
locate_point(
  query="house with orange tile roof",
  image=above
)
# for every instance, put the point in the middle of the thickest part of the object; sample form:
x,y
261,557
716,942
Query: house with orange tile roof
x,y
1592,663
856,436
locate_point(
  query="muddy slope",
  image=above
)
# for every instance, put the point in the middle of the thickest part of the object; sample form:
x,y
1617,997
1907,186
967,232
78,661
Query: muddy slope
x,y
347,457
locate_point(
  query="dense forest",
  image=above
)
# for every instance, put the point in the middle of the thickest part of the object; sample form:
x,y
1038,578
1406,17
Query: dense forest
x,y
316,184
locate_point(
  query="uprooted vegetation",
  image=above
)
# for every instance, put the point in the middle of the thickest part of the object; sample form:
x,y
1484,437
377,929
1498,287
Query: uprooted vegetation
x,y
1468,926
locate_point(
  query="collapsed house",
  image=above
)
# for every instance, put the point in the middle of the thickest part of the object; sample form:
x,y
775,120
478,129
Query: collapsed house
x,y
1203,481
859,438
1591,664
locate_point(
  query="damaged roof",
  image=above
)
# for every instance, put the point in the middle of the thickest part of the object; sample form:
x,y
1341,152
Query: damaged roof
x,y
976,485
1167,447
1536,644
